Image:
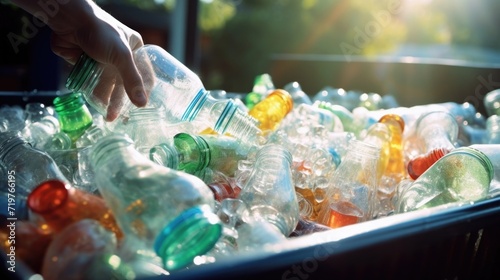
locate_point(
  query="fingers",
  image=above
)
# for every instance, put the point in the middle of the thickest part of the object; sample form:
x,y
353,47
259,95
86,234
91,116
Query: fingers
x,y
132,80
116,102
64,49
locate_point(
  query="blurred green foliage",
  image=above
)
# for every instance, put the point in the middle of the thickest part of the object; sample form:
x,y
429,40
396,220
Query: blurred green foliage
x,y
253,30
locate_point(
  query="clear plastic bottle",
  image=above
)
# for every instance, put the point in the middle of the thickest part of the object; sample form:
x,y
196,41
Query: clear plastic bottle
x,y
35,111
298,95
347,118
46,134
170,85
492,151
380,135
73,115
31,166
269,191
148,127
438,133
493,128
12,118
160,210
492,102
463,175
352,193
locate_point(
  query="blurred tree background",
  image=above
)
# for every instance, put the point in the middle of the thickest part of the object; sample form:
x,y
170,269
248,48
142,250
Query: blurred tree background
x,y
240,38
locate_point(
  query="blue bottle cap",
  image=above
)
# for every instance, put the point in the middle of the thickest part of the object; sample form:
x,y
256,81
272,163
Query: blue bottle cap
x,y
194,232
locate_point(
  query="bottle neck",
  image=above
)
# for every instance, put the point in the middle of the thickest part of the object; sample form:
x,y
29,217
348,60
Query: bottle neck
x,y
68,103
48,198
143,115
112,149
194,152
361,151
275,153
237,123
8,142
194,232
194,107
84,76
166,155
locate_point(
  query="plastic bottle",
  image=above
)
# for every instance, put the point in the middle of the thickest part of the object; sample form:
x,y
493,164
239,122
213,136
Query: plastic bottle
x,y
371,101
170,85
223,187
11,203
262,86
46,134
29,165
463,175
13,118
148,127
29,245
306,227
74,248
395,168
351,195
438,132
493,128
269,192
492,151
270,111
298,95
160,210
348,120
380,135
35,111
73,114
217,152
492,102
57,205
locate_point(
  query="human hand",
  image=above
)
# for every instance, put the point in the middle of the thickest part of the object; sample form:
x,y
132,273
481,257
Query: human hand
x,y
80,26
110,43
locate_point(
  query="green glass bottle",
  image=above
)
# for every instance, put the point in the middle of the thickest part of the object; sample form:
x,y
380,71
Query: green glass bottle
x,y
74,116
162,212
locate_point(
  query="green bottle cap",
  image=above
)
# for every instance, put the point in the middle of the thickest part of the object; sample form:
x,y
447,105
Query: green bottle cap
x,y
194,232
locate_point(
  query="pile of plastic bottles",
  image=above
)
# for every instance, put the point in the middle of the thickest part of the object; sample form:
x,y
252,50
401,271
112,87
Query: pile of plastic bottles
x,y
163,189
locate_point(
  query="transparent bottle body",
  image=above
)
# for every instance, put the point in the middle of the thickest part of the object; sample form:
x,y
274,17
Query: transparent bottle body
x,y
492,151
145,198
352,192
217,152
169,85
269,192
31,166
459,176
